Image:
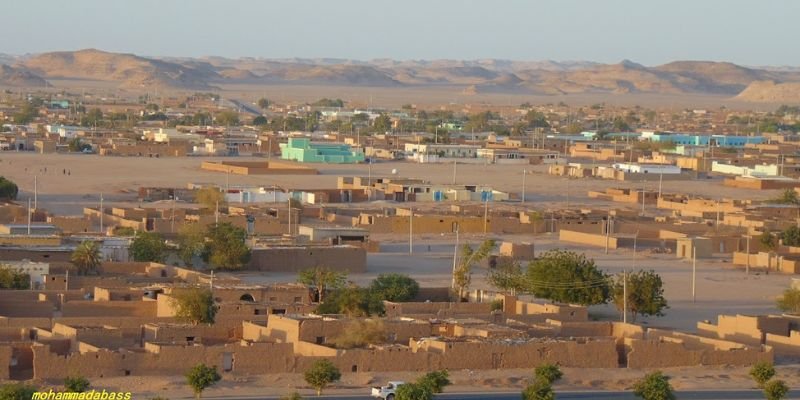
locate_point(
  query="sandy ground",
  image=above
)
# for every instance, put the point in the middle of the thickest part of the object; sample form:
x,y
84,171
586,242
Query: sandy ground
x,y
118,178
575,379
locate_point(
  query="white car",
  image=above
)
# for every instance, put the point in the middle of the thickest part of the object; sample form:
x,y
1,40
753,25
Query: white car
x,y
386,392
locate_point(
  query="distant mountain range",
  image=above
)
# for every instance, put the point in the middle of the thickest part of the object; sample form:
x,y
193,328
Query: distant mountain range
x,y
765,84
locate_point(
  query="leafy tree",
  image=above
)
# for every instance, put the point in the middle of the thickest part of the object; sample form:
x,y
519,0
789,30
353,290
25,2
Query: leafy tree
x,y
539,390
776,390
549,373
195,306
227,118
260,120
382,123
790,301
10,278
321,374
210,197
76,384
788,196
202,377
322,279
768,241
536,119
507,276
360,333
326,102
352,301
435,380
76,145
762,372
26,114
463,272
191,242
17,391
92,118
148,247
226,247
654,386
567,277
263,103
791,236
645,293
413,391
394,287
8,189
124,231
86,257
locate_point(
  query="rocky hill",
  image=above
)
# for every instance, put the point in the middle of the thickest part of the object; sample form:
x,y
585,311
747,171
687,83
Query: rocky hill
x,y
467,76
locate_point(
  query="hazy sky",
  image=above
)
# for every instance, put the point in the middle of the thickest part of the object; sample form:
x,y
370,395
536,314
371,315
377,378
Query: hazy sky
x,y
647,31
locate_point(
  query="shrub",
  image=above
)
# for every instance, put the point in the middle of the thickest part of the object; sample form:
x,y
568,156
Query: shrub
x,y
762,372
76,384
549,373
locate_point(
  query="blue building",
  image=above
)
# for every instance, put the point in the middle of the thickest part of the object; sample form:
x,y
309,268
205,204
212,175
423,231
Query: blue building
x,y
705,140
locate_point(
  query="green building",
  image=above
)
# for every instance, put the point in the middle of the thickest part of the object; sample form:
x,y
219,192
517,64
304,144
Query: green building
x,y
301,149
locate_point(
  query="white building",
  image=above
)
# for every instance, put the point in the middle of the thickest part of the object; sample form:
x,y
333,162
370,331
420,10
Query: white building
x,y
636,168
36,270
442,150
758,171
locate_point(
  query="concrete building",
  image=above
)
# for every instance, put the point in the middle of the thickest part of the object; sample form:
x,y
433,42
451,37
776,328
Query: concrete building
x,y
441,150
303,150
647,168
36,270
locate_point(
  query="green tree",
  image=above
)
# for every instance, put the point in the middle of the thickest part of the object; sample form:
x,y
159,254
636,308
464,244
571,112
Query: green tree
x,y
394,287
17,391
260,120
507,276
536,119
654,386
148,247
435,380
191,242
382,124
76,384
776,390
645,294
195,306
226,248
26,114
210,197
790,301
762,372
202,377
360,333
462,276
352,301
547,372
791,236
538,390
8,189
321,374
93,117
768,241
413,391
10,278
326,102
322,279
788,196
567,277
123,231
263,103
86,258
227,118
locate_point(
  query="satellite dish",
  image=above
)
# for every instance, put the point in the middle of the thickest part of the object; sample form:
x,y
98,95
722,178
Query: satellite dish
x,y
394,171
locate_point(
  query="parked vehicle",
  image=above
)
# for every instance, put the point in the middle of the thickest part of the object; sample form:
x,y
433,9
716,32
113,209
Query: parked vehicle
x,y
386,392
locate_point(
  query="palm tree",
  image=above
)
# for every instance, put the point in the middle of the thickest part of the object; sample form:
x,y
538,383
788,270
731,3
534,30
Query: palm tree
x,y
86,257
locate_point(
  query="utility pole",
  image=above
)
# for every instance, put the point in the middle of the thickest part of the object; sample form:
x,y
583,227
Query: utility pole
x,y
454,172
624,296
747,265
211,281
216,213
455,260
485,215
660,180
411,232
290,216
35,193
524,172
694,271
29,216
102,211
608,229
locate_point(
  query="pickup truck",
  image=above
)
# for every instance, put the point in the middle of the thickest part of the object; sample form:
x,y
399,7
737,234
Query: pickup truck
x,y
386,392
